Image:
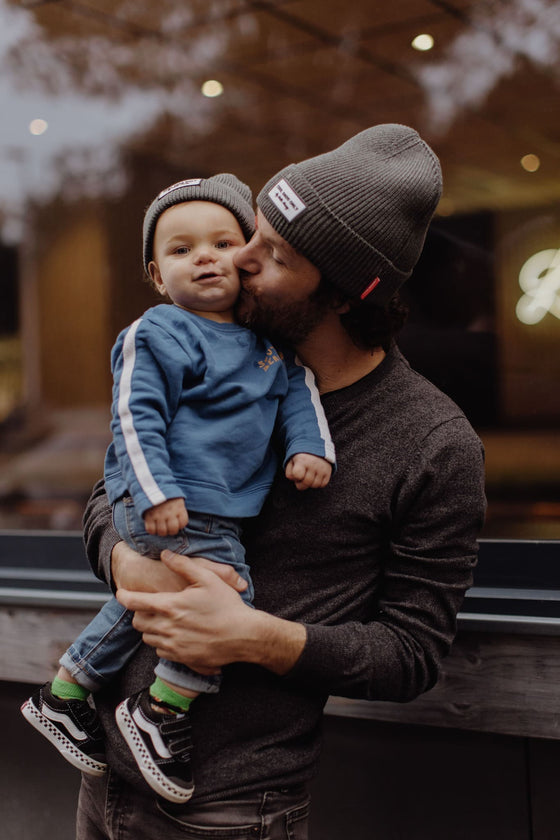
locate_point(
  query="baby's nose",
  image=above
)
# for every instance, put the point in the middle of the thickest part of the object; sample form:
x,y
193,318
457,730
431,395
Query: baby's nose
x,y
204,254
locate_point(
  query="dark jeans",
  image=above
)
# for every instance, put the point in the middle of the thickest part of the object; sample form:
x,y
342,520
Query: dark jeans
x,y
109,809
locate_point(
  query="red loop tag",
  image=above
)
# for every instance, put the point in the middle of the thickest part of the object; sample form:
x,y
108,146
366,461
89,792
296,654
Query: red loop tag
x,y
370,288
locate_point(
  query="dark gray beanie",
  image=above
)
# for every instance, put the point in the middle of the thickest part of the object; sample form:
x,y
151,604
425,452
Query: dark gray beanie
x,y
224,189
359,213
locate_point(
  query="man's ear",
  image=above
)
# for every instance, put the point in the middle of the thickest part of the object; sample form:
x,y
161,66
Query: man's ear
x,y
342,307
155,277
338,302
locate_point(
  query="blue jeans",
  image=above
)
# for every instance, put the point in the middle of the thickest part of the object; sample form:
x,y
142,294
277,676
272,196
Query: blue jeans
x,y
109,640
109,809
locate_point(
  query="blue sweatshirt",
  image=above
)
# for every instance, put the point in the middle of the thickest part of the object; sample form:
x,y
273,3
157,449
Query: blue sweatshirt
x,y
195,405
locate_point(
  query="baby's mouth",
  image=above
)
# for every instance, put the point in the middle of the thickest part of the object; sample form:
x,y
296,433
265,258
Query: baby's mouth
x,y
207,275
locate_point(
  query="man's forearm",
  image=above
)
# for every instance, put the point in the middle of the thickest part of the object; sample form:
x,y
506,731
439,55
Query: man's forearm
x,y
207,625
273,643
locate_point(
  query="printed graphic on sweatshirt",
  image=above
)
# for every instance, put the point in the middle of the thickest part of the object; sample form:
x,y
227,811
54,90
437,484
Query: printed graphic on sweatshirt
x,y
271,358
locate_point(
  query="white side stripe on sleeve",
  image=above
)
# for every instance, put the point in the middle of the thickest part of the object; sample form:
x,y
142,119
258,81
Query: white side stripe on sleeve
x,y
319,412
135,453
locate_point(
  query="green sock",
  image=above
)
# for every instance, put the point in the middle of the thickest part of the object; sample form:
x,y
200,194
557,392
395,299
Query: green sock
x,y
160,691
68,691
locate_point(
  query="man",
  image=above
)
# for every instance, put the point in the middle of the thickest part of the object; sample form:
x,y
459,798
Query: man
x,y
357,586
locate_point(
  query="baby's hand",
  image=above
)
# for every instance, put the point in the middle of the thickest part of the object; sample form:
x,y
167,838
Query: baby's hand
x,y
166,519
308,471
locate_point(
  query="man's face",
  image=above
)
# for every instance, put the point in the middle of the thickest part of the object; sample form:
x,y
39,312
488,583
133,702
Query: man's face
x,y
279,287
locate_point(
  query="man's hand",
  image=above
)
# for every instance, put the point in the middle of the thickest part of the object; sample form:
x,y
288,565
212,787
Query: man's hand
x,y
167,518
308,471
135,572
207,625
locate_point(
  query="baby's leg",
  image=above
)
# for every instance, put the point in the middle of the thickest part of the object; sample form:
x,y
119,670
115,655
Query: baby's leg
x,y
155,723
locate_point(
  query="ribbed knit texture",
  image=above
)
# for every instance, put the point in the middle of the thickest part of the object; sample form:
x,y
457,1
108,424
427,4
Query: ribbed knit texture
x,y
162,693
368,205
65,690
224,189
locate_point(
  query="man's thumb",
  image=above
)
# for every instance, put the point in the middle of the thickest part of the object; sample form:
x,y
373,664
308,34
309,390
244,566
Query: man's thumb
x,y
182,565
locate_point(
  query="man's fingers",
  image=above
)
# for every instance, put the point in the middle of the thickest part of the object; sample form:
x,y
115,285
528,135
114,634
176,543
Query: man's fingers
x,y
182,565
226,572
149,602
194,569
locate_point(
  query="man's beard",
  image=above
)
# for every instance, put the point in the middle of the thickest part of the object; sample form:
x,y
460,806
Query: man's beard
x,y
283,323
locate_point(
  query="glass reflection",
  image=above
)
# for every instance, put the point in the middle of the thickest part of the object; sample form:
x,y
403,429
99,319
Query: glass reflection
x,y
103,103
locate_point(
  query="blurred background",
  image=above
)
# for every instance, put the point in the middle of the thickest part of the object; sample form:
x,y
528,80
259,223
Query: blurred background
x,y
103,103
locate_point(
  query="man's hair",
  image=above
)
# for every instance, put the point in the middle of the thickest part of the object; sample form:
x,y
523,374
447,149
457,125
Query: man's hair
x,y
370,326
375,326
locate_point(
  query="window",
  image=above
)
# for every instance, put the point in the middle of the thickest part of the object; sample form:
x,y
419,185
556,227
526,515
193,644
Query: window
x,y
104,103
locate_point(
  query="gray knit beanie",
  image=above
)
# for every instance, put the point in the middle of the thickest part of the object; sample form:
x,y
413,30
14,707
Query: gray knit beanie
x,y
360,212
224,189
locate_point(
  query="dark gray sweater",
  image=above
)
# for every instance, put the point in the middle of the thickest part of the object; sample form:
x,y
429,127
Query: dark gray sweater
x,y
376,565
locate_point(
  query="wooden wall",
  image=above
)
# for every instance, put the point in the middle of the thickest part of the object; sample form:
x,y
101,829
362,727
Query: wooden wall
x,y
503,683
377,781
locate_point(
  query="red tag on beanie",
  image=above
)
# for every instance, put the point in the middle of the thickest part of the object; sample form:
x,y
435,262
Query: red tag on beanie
x,y
370,288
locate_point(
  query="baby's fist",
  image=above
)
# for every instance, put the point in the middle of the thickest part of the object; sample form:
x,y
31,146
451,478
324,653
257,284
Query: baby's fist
x,y
167,518
308,471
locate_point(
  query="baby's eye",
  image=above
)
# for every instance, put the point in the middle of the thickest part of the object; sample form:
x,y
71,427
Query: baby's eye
x,y
223,243
182,249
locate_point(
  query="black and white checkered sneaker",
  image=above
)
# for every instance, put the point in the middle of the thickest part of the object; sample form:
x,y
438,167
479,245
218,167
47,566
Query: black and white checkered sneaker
x,y
161,745
71,725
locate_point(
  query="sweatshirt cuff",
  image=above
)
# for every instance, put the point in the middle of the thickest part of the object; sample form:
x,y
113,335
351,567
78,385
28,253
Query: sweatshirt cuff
x,y
309,448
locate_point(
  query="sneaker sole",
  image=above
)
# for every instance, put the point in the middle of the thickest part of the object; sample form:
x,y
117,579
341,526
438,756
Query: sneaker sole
x,y
64,745
157,780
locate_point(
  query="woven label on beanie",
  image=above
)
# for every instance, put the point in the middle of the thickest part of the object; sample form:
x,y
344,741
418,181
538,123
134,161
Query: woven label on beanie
x,y
191,182
283,196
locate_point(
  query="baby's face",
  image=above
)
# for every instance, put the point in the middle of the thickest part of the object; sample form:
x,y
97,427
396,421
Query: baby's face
x,y
194,246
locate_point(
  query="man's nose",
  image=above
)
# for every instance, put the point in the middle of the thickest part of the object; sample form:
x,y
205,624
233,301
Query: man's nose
x,y
245,257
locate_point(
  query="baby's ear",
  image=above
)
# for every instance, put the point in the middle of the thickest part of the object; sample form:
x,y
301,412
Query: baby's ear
x,y
155,277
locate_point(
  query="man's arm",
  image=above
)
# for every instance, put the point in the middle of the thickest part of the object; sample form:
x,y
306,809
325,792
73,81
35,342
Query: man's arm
x,y
394,655
207,625
100,536
438,512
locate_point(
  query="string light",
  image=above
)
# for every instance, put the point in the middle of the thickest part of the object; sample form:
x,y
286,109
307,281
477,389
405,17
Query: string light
x,y
212,88
38,126
530,163
423,42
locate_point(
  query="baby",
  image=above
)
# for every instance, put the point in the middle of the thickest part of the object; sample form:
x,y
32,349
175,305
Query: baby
x,y
196,400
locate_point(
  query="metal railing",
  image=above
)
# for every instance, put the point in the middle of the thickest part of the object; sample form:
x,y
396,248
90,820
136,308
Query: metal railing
x,y
516,586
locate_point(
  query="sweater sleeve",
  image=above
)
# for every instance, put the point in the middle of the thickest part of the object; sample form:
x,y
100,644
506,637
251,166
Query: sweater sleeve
x,y
438,513
302,424
99,535
148,373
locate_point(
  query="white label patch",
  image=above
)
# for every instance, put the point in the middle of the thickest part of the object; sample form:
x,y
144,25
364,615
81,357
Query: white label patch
x,y
190,182
283,196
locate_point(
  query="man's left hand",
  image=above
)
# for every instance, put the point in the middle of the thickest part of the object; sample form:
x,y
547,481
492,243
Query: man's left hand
x,y
207,625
